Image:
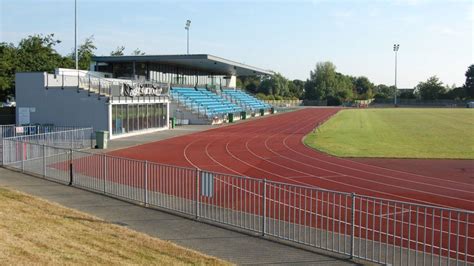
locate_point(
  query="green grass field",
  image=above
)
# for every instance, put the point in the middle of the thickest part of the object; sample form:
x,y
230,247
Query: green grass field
x,y
397,133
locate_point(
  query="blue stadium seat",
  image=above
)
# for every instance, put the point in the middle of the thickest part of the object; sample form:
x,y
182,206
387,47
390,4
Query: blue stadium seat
x,y
245,100
204,102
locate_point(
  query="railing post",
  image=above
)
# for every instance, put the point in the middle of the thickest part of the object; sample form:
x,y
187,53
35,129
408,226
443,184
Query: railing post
x,y
352,224
198,175
264,208
145,184
92,139
44,161
71,171
99,88
89,91
105,173
22,157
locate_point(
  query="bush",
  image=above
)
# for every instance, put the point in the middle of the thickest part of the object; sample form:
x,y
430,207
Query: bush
x,y
333,101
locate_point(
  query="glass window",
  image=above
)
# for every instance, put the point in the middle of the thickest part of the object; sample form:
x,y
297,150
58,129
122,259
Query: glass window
x,y
143,120
157,115
125,117
114,117
165,110
151,115
160,115
133,116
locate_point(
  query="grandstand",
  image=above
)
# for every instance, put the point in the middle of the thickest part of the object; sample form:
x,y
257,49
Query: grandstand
x,y
244,99
204,102
138,94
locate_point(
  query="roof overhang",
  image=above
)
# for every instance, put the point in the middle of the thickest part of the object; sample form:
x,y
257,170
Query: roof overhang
x,y
203,62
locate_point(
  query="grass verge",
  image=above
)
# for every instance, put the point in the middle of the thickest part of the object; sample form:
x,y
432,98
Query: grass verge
x,y
35,231
397,133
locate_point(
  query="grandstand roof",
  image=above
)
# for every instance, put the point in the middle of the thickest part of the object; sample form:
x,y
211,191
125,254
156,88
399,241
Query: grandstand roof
x,y
204,62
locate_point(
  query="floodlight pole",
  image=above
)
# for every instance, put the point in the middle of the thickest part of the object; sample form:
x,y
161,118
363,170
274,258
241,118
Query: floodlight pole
x,y
395,49
188,25
75,34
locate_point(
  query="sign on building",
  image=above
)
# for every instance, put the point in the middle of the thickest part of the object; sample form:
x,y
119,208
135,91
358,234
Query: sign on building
x,y
24,115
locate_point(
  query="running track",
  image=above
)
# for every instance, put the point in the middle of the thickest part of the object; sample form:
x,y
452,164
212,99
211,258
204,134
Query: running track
x,y
272,148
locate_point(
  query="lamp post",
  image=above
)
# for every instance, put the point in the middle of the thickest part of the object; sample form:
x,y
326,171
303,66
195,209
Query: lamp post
x,y
75,34
395,49
188,25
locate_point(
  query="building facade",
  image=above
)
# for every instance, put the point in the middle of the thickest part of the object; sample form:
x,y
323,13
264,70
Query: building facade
x,y
124,95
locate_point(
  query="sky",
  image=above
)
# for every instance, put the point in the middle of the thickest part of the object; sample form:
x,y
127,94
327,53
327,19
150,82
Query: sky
x,y
289,37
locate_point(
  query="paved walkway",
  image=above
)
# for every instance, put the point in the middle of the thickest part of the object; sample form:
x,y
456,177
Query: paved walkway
x,y
125,142
222,243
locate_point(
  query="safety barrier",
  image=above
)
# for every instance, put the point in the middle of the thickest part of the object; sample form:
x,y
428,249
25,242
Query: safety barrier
x,y
374,229
57,136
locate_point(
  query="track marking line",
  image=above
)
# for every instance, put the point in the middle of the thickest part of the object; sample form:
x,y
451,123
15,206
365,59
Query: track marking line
x,y
316,176
393,213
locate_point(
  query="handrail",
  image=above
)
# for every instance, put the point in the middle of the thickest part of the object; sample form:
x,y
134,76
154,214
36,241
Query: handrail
x,y
102,86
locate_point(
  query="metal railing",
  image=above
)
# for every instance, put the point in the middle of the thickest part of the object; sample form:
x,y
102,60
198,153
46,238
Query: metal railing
x,y
369,228
45,134
74,138
101,86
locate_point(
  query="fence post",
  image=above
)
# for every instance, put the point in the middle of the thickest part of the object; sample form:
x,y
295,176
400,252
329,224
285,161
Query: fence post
x,y
105,173
264,207
92,138
3,148
44,161
146,183
71,176
198,175
352,224
22,157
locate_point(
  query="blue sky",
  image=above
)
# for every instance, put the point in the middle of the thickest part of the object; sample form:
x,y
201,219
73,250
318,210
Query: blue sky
x,y
436,37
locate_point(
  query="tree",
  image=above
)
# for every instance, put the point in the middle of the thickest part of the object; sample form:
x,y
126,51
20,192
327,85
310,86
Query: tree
x,y
118,51
432,89
249,83
457,93
407,94
7,69
266,86
37,53
296,88
363,87
325,83
85,53
469,84
33,53
344,88
383,91
138,52
321,81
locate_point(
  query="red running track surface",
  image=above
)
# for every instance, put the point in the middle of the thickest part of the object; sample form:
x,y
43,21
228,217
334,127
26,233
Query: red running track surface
x,y
272,148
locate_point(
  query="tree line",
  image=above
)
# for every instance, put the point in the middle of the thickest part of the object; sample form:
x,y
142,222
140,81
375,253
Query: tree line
x,y
38,53
326,84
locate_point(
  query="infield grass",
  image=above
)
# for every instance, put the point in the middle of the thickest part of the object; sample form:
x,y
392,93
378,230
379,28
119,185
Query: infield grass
x,y
397,133
36,232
